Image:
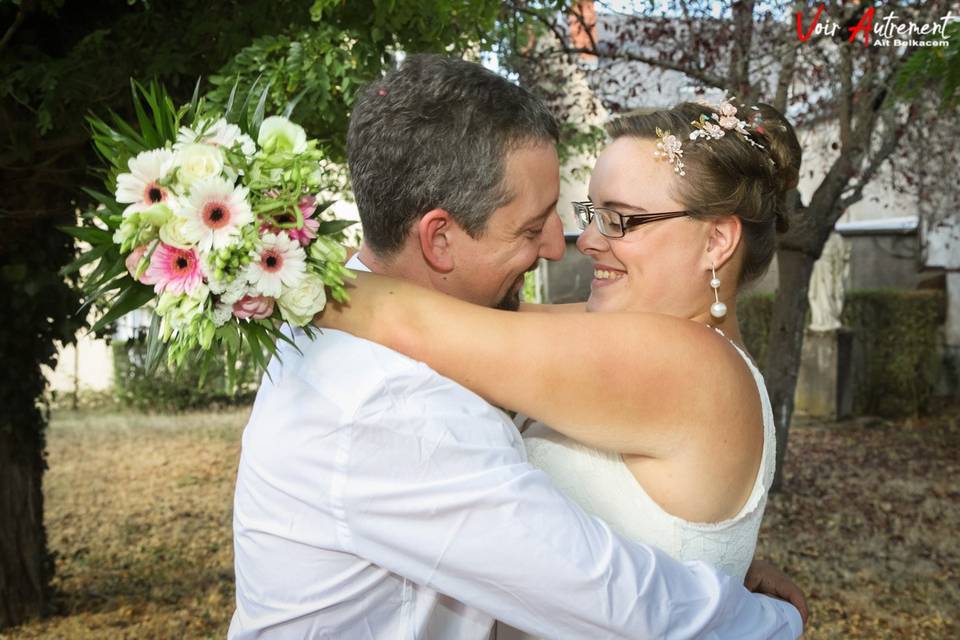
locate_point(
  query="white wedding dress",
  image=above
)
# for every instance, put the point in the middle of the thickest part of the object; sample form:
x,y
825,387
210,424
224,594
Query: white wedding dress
x,y
601,483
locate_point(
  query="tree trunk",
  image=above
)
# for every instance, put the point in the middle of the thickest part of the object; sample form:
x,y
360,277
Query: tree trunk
x,y
25,565
41,311
786,343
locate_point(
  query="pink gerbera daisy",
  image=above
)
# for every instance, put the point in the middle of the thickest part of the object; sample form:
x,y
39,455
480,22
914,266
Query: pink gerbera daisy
x,y
173,269
306,233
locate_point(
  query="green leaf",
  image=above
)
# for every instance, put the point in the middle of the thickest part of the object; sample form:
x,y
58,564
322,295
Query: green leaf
x,y
156,348
130,299
192,111
244,120
331,227
85,258
287,110
89,234
107,201
228,108
147,129
261,109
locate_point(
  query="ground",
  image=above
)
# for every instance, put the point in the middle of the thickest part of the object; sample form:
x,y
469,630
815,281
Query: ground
x,y
138,513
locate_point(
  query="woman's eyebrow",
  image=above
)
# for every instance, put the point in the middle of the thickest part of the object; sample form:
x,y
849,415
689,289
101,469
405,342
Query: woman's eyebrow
x,y
613,204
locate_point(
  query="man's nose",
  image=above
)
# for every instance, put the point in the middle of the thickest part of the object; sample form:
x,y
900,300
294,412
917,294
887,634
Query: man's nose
x,y
553,245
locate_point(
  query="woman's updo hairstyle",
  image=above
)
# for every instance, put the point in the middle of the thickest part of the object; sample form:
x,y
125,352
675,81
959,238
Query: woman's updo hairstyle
x,y
729,174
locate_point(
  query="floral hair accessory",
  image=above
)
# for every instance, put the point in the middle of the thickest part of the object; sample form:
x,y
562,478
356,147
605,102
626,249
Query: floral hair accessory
x,y
670,149
712,127
720,122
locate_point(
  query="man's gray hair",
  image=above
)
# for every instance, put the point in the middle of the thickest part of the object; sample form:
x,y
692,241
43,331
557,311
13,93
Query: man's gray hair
x,y
434,134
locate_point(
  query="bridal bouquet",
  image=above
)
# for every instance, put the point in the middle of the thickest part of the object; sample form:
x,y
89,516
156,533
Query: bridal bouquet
x,y
213,222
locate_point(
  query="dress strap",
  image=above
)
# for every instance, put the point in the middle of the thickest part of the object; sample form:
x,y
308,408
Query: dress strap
x,y
744,354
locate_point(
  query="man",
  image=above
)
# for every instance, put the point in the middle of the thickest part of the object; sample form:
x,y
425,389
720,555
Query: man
x,y
377,499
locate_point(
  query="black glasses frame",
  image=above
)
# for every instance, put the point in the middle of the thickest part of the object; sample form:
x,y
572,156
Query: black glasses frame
x,y
585,212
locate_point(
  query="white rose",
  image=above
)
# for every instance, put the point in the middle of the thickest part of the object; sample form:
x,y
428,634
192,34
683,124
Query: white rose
x,y
279,134
198,161
172,233
299,304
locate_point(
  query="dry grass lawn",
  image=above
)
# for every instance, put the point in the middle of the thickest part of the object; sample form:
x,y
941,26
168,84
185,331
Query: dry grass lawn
x,y
138,513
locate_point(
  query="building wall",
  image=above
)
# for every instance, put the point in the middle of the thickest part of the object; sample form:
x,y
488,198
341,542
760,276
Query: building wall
x,y
86,365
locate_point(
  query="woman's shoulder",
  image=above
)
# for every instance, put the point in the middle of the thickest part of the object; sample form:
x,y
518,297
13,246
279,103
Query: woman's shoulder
x,y
705,375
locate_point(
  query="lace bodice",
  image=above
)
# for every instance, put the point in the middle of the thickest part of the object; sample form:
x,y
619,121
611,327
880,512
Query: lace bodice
x,y
601,483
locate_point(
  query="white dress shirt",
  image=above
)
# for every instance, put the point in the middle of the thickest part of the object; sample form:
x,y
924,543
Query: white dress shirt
x,y
377,499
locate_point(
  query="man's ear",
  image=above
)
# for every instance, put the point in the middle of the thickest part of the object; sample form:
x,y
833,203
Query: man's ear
x,y
724,239
435,230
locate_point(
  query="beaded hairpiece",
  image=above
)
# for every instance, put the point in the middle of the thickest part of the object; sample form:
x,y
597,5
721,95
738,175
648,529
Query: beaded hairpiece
x,y
713,127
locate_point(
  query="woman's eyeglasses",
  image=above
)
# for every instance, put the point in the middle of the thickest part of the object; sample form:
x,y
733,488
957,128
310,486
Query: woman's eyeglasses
x,y
614,224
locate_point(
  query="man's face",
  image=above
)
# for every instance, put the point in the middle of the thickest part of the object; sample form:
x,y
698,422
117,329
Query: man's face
x,y
490,270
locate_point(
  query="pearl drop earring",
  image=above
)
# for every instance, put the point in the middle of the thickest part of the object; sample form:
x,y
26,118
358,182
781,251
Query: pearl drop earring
x,y
717,309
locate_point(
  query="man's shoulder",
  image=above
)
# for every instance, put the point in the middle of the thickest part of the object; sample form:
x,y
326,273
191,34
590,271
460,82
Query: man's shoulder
x,y
334,362
381,386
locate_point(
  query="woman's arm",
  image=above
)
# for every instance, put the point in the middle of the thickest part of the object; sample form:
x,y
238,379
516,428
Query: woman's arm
x,y
633,383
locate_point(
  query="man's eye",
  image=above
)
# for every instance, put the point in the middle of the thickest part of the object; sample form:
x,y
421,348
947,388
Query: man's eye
x,y
533,233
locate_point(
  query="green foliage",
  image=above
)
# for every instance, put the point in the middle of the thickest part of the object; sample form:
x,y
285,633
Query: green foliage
x,y
934,67
224,381
452,26
100,44
897,357
321,67
897,354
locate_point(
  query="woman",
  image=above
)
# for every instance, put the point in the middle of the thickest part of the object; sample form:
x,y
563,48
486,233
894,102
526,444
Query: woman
x,y
659,421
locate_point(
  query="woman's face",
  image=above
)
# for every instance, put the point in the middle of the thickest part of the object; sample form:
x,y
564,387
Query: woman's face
x,y
659,267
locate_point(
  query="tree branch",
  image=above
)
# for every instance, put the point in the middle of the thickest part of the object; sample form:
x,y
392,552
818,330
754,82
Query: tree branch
x,y
713,81
845,99
566,49
587,28
17,21
738,75
891,138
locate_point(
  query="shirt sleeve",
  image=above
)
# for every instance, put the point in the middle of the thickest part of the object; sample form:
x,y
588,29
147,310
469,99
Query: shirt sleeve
x,y
440,496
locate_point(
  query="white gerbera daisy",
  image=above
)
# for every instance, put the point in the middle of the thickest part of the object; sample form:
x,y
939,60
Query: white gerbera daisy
x,y
141,188
279,262
214,212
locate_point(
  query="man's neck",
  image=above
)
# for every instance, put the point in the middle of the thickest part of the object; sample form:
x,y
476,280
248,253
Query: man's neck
x,y
402,265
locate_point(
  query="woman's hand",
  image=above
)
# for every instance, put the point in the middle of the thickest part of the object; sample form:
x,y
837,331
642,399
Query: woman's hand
x,y
763,577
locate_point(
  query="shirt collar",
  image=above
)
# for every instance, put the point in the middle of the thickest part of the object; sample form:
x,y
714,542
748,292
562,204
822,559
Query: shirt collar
x,y
356,264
